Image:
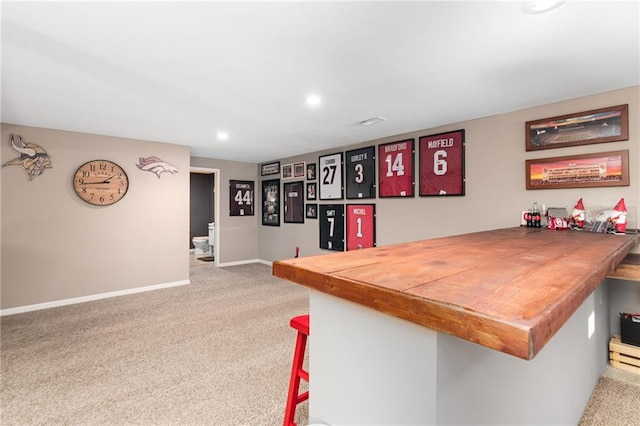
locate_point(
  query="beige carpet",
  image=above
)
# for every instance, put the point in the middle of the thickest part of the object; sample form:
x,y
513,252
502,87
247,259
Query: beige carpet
x,y
615,400
217,352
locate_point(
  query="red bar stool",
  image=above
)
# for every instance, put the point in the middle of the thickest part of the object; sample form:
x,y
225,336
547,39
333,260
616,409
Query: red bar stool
x,y
300,323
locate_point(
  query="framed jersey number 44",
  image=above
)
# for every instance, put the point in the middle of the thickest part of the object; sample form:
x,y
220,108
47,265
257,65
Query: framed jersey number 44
x,y
442,164
241,197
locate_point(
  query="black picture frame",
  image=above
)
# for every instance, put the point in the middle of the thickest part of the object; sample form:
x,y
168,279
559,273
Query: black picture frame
x,y
360,226
331,226
271,202
441,168
311,171
312,191
272,168
395,169
241,198
360,171
311,211
293,195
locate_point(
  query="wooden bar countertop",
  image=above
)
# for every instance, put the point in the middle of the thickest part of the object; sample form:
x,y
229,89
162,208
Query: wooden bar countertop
x,y
508,289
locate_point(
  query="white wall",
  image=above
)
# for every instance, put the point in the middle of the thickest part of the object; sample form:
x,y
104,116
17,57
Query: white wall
x,y
495,181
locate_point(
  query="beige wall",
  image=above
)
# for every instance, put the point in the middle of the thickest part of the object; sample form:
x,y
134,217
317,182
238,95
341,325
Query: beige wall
x,y
495,181
55,246
236,234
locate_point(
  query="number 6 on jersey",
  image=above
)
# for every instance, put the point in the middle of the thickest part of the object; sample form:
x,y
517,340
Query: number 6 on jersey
x,y
442,164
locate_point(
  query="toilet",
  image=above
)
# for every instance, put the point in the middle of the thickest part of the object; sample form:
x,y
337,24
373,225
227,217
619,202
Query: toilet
x,y
201,245
204,245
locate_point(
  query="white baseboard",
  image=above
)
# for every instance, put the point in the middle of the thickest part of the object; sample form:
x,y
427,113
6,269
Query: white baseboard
x,y
244,262
64,302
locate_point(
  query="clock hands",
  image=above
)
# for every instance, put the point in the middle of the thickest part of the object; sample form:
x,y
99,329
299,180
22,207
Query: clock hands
x,y
107,180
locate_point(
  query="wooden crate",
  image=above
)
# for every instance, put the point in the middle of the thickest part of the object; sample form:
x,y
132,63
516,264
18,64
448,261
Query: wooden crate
x,y
623,356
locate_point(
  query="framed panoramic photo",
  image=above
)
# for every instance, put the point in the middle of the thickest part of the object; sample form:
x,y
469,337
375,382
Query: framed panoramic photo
x,y
270,169
361,226
579,171
241,197
331,218
395,169
442,164
293,202
311,211
330,176
271,202
360,171
596,126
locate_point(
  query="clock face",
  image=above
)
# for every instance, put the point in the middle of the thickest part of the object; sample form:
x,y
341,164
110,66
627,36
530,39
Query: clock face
x,y
100,182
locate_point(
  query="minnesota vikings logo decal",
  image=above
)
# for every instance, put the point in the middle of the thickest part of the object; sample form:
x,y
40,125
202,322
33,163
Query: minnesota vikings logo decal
x,y
156,165
33,158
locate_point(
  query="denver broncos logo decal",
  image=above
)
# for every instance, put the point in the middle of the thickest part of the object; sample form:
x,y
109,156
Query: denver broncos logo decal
x,y
156,165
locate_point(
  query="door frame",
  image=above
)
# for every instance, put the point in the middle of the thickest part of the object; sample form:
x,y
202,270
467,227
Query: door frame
x,y
216,210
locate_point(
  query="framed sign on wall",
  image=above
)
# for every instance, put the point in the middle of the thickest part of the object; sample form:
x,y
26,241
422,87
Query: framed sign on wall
x,y
442,164
360,170
271,202
241,194
330,176
270,169
294,202
331,217
395,169
361,226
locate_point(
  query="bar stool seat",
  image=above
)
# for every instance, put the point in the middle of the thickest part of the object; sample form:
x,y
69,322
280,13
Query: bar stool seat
x,y
300,323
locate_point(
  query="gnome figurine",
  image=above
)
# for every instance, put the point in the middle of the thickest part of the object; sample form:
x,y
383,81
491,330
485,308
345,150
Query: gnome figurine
x,y
577,215
619,217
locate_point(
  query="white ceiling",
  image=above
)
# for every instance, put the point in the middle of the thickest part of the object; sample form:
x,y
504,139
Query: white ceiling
x,y
179,72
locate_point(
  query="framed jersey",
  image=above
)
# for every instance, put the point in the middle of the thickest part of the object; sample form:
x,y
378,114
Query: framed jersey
x,y
330,167
361,226
360,171
395,169
442,164
241,197
293,202
331,217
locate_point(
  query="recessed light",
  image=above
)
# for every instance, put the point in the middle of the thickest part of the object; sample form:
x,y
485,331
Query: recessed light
x,y
313,100
540,6
223,136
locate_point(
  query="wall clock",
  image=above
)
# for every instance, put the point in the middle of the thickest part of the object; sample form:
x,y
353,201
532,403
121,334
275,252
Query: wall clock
x,y
100,182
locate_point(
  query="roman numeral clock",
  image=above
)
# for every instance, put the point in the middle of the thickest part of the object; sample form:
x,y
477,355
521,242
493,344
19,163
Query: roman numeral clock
x,y
100,182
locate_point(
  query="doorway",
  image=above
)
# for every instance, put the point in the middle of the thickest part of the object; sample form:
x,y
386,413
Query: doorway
x,y
204,206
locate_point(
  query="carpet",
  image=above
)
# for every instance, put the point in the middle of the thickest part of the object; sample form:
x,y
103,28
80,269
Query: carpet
x,y
216,352
615,401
